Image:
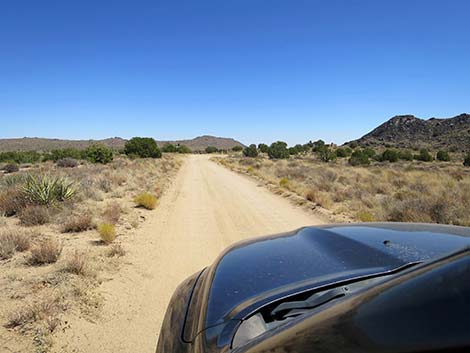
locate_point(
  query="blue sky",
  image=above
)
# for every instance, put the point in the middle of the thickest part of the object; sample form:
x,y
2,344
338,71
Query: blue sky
x,y
254,70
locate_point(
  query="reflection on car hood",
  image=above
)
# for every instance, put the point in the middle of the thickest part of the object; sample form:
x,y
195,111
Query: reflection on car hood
x,y
318,256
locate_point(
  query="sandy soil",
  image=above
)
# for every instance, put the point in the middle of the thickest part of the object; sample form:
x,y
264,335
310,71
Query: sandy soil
x,y
206,209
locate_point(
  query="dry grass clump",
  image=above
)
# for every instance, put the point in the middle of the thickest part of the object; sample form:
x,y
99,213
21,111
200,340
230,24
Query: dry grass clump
x,y
116,250
146,200
112,212
78,223
76,263
12,241
46,252
11,201
283,182
34,215
107,232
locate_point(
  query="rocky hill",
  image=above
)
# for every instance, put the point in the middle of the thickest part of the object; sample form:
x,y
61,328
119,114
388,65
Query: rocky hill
x,y
44,144
408,131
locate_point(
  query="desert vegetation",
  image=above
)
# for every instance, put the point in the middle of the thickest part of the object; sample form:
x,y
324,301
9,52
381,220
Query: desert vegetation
x,y
64,219
352,183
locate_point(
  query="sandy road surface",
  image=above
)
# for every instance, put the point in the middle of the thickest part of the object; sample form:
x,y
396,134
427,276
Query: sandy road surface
x,y
206,209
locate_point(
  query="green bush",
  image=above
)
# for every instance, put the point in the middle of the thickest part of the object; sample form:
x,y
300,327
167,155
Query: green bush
x,y
424,155
237,148
47,190
99,154
466,161
342,152
318,146
144,147
390,156
169,148
296,149
56,155
250,151
405,155
359,157
183,149
20,157
263,148
278,150
326,154
369,152
443,156
211,149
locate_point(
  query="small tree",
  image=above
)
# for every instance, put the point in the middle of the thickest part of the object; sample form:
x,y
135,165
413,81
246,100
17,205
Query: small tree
x,y
98,153
326,155
443,156
424,155
389,155
251,151
237,148
211,149
144,147
169,148
318,146
263,148
369,152
466,161
358,157
278,150
342,152
405,155
183,149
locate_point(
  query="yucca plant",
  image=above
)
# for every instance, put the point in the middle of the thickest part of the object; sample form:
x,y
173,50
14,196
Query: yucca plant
x,y
46,189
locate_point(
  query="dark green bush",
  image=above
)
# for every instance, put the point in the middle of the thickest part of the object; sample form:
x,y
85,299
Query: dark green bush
x,y
20,157
326,154
250,151
237,148
211,149
369,152
424,155
169,148
318,146
405,155
263,148
296,149
359,157
183,149
144,147
342,152
466,161
99,154
390,156
443,156
74,153
278,150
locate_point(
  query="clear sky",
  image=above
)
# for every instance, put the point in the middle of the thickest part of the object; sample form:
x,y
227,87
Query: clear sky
x,y
255,70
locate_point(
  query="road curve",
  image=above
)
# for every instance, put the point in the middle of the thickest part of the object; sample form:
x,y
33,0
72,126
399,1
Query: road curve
x,y
206,209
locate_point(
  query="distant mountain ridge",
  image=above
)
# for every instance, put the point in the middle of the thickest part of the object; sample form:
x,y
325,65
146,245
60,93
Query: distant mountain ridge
x,y
44,144
408,131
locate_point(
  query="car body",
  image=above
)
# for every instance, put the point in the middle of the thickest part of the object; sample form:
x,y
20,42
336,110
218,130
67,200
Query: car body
x,y
386,287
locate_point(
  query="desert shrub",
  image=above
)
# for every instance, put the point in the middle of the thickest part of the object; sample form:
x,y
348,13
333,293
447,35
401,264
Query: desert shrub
x,y
183,149
283,182
107,232
342,152
76,263
442,156
250,151
7,246
326,154
211,149
365,216
405,155
322,199
34,215
98,153
46,190
12,201
47,252
146,200
369,152
67,162
424,155
466,161
144,147
278,150
78,223
116,250
263,148
19,157
12,240
44,309
390,156
63,153
11,168
358,157
237,148
296,149
318,146
169,148
112,212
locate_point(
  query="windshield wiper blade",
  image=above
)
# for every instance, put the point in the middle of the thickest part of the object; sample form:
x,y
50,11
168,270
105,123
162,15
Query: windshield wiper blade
x,y
310,303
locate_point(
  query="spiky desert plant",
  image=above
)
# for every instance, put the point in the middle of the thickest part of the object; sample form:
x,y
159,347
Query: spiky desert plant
x,y
46,189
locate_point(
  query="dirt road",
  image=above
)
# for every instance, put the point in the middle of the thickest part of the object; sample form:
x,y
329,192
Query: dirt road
x,y
205,210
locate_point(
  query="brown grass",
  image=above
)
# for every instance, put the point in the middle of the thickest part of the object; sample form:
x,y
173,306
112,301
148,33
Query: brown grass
x,y
116,250
12,240
76,263
46,252
78,223
112,212
42,309
34,215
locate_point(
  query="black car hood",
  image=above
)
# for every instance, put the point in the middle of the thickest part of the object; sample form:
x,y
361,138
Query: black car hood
x,y
255,272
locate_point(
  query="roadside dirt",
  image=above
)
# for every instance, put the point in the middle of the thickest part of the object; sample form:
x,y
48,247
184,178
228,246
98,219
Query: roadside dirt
x,y
206,209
